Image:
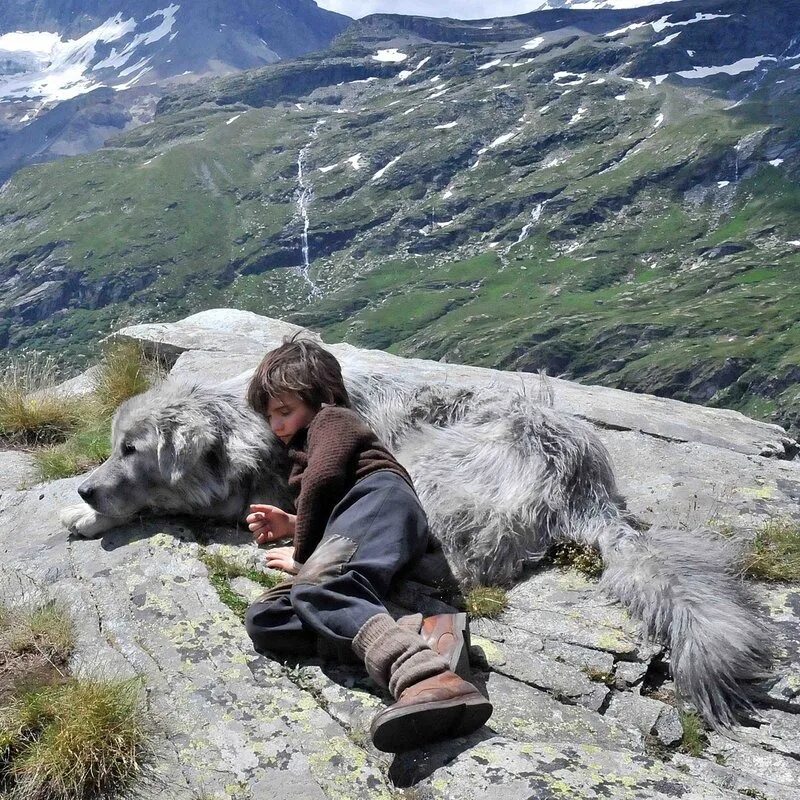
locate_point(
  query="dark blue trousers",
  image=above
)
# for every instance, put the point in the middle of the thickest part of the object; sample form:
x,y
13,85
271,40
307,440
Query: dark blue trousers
x,y
378,528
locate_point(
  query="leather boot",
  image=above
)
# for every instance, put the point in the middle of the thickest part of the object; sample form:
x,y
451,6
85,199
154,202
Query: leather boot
x,y
441,707
448,635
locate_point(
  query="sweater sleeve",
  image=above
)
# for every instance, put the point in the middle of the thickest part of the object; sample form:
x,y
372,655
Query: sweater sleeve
x,y
334,437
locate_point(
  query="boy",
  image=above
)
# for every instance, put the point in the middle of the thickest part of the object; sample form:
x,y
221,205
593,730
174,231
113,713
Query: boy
x,y
358,523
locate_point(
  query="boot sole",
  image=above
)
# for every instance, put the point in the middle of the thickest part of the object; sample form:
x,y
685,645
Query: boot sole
x,y
396,730
459,658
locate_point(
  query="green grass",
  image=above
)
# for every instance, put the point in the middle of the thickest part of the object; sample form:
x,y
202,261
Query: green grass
x,y
46,630
123,372
220,573
79,739
62,738
488,602
587,560
775,551
600,676
31,413
85,449
694,740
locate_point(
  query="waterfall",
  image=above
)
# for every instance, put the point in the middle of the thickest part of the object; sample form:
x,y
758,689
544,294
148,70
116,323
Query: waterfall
x,y
304,197
535,216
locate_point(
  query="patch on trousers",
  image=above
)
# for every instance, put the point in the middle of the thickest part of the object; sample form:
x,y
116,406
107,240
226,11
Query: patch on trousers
x,y
326,562
276,592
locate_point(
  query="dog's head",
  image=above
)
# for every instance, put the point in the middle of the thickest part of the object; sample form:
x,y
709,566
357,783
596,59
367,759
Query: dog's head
x,y
158,443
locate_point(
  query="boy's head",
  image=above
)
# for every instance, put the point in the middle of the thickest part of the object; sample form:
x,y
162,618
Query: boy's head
x,y
298,367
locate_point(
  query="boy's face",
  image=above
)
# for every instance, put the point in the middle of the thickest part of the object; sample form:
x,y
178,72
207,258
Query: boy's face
x,y
287,414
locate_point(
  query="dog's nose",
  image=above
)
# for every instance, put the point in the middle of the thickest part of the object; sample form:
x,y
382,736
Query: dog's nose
x,y
86,493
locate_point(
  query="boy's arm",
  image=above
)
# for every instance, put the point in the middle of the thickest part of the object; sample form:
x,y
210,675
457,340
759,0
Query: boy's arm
x,y
333,439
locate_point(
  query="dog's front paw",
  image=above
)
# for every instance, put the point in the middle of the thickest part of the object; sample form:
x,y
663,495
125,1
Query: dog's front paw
x,y
82,520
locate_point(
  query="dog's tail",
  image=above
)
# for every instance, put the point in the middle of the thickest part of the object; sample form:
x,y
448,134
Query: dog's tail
x,y
682,586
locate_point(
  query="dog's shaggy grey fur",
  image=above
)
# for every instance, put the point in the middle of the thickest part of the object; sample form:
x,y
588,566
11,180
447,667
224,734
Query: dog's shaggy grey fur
x,y
501,478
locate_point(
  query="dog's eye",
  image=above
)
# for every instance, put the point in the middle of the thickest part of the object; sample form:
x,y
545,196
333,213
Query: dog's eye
x,y
128,449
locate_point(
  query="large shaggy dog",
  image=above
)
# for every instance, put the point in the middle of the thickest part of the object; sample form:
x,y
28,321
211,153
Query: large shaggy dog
x,y
501,477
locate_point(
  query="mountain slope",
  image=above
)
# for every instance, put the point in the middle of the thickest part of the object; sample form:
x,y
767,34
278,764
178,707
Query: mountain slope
x,y
609,195
52,52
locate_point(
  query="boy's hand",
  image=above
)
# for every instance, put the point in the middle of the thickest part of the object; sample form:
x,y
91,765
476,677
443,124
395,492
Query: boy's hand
x,y
282,558
270,523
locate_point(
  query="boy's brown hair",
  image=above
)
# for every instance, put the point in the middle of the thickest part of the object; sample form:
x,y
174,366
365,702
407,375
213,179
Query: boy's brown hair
x,y
302,367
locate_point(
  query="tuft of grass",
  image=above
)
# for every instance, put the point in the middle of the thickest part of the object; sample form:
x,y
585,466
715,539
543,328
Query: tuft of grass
x,y
79,739
486,601
220,573
47,630
125,371
31,412
88,447
775,551
694,740
587,560
600,676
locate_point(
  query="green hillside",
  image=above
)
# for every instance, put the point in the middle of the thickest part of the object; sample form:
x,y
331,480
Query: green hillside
x,y
555,210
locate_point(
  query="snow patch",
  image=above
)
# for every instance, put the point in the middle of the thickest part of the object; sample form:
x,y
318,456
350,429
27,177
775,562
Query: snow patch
x,y
438,94
61,67
660,24
407,73
445,126
723,184
380,173
232,119
659,121
329,167
532,44
742,65
491,64
392,55
620,96
776,162
578,115
553,161
627,29
563,78
354,161
500,140
137,66
667,39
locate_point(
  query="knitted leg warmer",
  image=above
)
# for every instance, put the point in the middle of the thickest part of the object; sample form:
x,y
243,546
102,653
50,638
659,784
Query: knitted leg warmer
x,y
411,622
395,657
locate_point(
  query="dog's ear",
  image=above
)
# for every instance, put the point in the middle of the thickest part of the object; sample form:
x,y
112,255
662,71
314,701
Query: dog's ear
x,y
181,446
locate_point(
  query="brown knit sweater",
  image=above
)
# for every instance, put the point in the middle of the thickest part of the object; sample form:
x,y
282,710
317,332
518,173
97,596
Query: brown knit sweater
x,y
336,450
